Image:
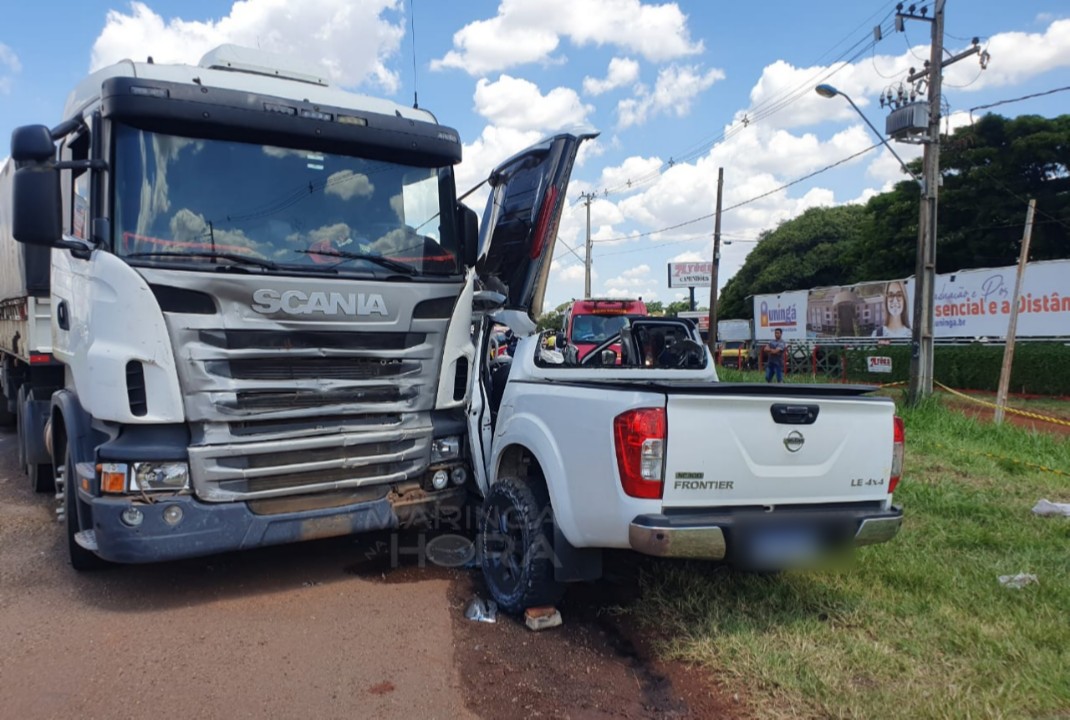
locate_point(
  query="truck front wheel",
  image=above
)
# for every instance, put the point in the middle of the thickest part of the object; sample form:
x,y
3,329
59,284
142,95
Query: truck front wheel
x,y
516,531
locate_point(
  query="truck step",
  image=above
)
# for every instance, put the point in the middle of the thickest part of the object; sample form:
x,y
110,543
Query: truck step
x,y
87,539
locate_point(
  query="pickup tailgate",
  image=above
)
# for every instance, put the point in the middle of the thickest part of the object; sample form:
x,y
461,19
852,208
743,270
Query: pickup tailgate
x,y
769,450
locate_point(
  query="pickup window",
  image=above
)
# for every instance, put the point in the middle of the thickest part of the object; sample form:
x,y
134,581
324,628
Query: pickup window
x,y
658,344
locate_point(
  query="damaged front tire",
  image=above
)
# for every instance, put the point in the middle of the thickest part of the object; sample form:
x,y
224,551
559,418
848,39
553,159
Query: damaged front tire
x,y
516,534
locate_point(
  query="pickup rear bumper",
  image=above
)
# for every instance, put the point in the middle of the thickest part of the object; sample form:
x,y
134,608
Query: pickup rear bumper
x,y
720,534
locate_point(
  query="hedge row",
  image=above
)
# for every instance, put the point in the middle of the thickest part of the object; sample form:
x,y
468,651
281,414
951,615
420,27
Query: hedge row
x,y
1041,368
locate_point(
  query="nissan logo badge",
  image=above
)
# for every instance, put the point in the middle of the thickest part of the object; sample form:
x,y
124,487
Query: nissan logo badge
x,y
794,441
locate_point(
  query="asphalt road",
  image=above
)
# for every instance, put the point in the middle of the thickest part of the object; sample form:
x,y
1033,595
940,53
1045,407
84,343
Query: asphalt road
x,y
293,632
328,629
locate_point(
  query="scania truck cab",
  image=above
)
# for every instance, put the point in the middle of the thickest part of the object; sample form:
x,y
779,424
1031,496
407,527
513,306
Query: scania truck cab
x,y
262,290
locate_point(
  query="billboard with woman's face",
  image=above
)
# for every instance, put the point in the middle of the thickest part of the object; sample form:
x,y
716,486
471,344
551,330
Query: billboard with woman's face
x,y
966,304
864,310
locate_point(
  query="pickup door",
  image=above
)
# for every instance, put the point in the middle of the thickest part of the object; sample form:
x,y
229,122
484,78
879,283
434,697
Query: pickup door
x,y
731,447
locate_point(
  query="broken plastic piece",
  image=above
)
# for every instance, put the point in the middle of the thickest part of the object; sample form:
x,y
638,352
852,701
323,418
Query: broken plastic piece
x,y
482,611
1018,581
1043,507
542,618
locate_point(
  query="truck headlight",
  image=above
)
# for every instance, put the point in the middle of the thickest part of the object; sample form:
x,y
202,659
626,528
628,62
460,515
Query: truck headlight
x,y
445,448
156,476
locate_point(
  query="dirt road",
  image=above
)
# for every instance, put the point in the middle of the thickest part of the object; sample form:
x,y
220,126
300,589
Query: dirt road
x,y
315,630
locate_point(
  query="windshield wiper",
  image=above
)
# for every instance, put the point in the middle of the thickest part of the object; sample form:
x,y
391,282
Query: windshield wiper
x,y
233,257
376,259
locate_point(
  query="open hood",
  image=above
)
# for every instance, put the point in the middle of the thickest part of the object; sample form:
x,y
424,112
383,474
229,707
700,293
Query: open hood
x,y
519,228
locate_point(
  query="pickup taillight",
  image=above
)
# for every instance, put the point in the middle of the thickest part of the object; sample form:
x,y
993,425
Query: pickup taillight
x,y
639,437
899,436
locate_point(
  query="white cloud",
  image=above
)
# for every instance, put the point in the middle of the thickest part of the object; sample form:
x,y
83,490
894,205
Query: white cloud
x,y
518,104
648,293
886,170
9,67
623,176
630,280
347,185
528,31
689,256
673,92
622,71
350,41
1016,57
784,95
574,272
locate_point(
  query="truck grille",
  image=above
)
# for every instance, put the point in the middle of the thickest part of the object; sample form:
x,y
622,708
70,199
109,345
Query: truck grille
x,y
291,404
281,400
310,340
315,463
275,368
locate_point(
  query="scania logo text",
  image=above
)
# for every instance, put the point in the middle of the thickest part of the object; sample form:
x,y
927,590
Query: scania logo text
x,y
794,441
298,302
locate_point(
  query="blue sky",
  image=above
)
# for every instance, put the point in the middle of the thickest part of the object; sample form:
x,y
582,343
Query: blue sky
x,y
668,84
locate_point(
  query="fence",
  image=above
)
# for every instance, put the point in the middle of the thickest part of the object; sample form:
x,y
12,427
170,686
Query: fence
x,y
1040,368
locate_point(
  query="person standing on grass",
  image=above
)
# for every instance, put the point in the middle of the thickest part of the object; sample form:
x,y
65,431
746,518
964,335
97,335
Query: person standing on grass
x,y
774,351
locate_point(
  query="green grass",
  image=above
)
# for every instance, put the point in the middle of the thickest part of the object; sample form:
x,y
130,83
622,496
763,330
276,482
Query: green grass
x,y
916,628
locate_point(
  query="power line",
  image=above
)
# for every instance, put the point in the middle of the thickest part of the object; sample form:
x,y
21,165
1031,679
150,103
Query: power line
x,y
771,105
745,202
1018,99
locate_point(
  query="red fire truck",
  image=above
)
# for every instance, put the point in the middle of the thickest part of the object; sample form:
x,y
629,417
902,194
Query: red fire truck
x,y
587,323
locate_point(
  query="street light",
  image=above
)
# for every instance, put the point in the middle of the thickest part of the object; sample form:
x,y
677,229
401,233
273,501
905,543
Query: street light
x,y
922,350
827,91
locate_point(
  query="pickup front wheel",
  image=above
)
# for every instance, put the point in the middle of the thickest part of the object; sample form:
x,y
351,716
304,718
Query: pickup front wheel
x,y
516,531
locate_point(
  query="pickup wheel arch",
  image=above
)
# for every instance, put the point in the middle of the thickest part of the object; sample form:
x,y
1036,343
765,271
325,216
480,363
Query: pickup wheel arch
x,y
528,450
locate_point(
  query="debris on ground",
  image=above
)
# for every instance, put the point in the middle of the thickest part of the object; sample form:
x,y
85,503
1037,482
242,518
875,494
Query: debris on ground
x,y
480,610
1043,507
1018,581
542,618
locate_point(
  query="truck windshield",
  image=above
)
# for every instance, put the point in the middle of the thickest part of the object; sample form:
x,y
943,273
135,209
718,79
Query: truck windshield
x,y
189,201
596,328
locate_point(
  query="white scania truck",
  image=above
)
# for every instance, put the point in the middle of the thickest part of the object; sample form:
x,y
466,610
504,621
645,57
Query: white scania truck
x,y
260,292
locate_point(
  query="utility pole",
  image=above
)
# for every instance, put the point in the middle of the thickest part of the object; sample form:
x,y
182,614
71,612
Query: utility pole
x,y
587,198
711,338
921,364
1012,326
923,335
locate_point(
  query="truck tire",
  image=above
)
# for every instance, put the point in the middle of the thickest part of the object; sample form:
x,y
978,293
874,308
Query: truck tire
x,y
516,548
82,560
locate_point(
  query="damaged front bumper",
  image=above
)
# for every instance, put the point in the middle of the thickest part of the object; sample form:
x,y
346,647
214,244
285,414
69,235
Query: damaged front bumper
x,y
210,528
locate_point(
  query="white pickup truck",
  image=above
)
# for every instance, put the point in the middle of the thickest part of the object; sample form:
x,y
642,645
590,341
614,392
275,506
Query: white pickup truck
x,y
638,445
661,458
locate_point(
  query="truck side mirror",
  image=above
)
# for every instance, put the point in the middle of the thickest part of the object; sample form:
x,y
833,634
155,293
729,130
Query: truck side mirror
x,y
468,230
37,206
32,143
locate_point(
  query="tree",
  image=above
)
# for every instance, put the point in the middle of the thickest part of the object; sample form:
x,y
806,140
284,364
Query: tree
x,y
990,170
808,251
554,319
